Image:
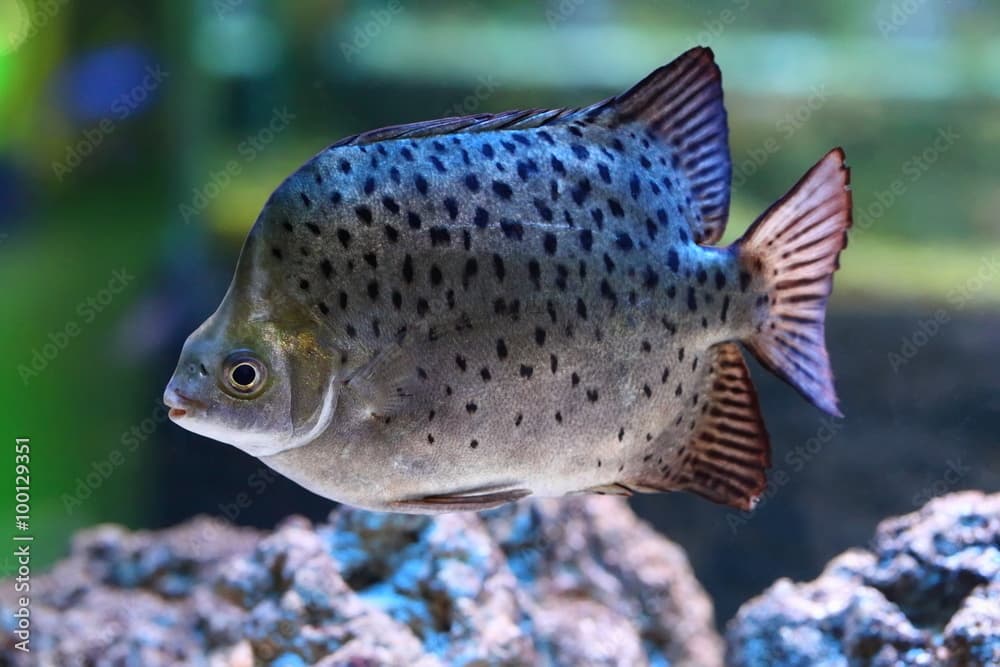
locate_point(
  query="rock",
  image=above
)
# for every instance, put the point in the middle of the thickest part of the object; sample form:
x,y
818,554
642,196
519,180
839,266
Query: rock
x,y
572,581
927,592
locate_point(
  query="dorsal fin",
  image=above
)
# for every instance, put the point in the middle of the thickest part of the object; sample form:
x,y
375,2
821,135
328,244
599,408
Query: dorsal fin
x,y
679,104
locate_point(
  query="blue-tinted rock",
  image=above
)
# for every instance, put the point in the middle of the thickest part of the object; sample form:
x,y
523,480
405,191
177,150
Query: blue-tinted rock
x,y
926,593
576,581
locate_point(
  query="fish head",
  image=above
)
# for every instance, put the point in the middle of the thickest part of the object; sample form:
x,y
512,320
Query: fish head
x,y
258,374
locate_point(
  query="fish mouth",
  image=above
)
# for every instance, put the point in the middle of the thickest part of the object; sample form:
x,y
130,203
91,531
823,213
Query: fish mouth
x,y
180,405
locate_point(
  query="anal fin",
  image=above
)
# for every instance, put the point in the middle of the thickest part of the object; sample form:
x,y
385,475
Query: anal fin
x,y
727,454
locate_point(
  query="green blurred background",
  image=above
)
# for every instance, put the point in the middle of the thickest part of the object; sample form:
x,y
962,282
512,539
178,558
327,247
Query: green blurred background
x,y
139,141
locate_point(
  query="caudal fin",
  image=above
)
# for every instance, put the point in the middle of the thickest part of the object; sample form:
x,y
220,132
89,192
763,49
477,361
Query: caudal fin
x,y
792,251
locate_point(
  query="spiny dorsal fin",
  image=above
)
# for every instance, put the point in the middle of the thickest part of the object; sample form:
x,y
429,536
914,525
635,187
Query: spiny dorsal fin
x,y
728,453
681,104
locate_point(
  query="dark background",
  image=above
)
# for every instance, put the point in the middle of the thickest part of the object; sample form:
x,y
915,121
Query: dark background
x,y
122,123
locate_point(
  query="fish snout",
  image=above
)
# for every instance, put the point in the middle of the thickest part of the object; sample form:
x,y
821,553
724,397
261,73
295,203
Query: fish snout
x,y
181,404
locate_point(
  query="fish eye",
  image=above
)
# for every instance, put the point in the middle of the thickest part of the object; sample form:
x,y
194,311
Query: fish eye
x,y
243,374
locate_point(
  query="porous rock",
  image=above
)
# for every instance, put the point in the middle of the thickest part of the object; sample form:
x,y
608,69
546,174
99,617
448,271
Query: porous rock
x,y
576,581
925,592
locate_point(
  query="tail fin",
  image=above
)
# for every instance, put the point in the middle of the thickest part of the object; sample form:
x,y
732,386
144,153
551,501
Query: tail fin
x,y
793,250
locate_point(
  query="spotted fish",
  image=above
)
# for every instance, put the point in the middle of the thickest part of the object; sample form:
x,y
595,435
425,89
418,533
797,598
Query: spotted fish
x,y
455,314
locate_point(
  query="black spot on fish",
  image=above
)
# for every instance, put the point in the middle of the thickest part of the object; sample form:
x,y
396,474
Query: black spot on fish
x,y
345,166
592,395
422,306
680,354
498,267
499,306
702,276
665,376
616,208
390,205
605,173
470,271
323,308
579,151
326,267
562,273
471,407
408,269
574,379
646,347
634,187
391,233
351,331
720,280
535,273
511,148
609,265
373,290
553,363
673,261
313,228
512,230
472,182
581,191
487,150
436,161
481,217
581,309
451,206
276,252
526,371
342,299
550,308
725,308
369,186
376,329
518,419
460,362
344,237
598,216
547,137
744,281
413,220
651,229
557,165
650,278
624,241
394,174
371,259
484,373
549,243
679,390
430,438
691,300
558,417
304,284
474,443
440,236
502,190
575,131
435,275
287,225
407,154
586,239
608,293
543,209
397,299
521,139
646,390
501,349
539,336
421,184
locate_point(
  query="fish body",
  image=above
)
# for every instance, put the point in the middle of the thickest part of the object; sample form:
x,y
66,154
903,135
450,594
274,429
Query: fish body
x,y
459,313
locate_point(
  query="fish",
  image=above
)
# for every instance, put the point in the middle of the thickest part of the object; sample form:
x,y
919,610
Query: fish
x,y
459,313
